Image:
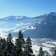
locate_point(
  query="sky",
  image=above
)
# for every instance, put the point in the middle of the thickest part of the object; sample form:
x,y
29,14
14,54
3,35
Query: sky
x,y
28,8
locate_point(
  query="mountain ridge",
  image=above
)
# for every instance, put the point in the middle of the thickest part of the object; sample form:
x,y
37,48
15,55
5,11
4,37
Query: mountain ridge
x,y
37,27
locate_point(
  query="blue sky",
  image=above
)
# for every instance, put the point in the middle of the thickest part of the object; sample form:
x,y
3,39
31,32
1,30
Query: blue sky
x,y
29,8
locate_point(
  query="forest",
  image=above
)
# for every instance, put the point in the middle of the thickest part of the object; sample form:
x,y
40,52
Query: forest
x,y
21,47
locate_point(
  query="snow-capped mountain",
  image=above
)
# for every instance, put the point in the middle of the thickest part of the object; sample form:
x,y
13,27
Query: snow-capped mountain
x,y
43,26
45,29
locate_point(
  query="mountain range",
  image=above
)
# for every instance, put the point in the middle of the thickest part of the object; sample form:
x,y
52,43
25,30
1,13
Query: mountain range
x,y
43,26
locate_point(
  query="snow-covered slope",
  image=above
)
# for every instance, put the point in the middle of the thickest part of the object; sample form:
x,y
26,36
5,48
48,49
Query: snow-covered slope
x,y
48,45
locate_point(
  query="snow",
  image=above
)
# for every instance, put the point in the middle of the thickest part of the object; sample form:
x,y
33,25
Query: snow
x,y
46,44
19,17
35,49
30,27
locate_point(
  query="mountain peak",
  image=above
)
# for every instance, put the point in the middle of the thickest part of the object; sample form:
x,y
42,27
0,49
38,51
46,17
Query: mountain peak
x,y
53,13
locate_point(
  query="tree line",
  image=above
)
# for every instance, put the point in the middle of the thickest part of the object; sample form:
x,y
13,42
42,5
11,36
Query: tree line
x,y
20,48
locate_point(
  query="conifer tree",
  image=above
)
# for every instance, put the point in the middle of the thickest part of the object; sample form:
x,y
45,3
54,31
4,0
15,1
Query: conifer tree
x,y
28,49
2,46
54,53
41,52
20,37
18,48
9,49
19,43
